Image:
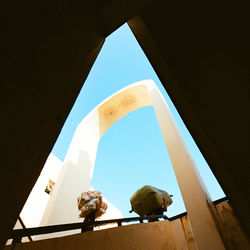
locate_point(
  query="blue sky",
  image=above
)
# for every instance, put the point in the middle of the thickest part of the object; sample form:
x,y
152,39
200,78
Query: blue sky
x,y
132,152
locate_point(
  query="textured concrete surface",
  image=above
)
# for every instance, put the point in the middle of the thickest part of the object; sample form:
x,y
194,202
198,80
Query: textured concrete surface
x,y
200,51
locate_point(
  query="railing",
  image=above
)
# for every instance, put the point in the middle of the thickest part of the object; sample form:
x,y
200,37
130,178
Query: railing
x,y
18,234
24,227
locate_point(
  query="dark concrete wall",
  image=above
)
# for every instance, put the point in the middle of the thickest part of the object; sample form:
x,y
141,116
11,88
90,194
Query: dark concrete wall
x,y
47,50
200,51
45,57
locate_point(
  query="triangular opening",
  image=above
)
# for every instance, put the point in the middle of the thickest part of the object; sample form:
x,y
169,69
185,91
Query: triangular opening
x,y
120,63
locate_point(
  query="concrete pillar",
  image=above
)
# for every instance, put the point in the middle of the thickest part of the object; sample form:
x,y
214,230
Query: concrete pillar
x,y
193,190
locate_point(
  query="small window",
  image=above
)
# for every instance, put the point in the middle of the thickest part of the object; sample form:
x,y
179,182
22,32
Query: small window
x,y
49,188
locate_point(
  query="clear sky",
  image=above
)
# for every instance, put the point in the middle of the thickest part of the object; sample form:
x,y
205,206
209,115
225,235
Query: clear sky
x,y
132,152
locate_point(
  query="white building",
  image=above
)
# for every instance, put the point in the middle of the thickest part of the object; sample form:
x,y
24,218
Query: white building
x,y
78,166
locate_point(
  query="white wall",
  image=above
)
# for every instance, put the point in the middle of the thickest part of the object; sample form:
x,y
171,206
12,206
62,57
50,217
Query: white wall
x,y
37,201
76,173
112,213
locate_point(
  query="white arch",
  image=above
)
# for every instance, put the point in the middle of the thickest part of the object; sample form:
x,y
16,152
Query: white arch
x,y
79,162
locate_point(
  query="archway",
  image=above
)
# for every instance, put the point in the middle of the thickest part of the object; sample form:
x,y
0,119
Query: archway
x,y
79,162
